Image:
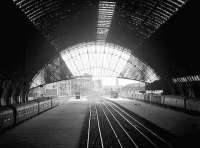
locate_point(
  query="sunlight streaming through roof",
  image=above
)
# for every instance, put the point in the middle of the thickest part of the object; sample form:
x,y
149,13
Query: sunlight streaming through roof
x,y
113,81
106,10
102,59
96,59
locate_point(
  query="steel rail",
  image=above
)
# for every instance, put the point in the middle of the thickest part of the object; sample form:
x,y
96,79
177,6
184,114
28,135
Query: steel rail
x,y
102,145
122,127
111,127
149,130
145,136
88,138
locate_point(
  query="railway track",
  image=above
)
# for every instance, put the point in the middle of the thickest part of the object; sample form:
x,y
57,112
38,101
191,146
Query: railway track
x,y
109,126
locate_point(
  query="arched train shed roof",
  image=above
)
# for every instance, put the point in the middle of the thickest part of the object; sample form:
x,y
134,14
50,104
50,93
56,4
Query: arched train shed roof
x,y
159,31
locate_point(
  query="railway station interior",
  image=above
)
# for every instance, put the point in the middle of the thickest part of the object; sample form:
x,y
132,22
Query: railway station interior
x,y
99,74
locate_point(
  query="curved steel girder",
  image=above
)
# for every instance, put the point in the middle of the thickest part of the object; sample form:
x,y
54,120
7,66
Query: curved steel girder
x,y
143,17
132,62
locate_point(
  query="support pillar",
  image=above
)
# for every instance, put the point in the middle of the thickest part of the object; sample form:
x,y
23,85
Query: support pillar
x,y
15,93
6,86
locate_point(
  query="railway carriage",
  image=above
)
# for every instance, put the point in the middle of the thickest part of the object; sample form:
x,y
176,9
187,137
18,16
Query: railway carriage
x,y
6,117
16,113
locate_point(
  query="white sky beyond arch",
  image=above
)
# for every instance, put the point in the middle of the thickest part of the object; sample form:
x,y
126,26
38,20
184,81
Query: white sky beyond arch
x,y
102,59
95,58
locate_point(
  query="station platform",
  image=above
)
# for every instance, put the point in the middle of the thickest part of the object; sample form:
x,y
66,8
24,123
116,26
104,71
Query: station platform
x,y
57,128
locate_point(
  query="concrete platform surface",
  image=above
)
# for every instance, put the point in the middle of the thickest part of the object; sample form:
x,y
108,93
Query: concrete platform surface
x,y
56,128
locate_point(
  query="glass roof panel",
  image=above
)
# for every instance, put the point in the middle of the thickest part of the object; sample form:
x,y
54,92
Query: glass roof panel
x,y
106,10
101,59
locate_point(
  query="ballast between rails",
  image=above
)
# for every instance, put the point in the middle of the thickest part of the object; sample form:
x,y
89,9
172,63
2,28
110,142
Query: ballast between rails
x,y
138,125
16,113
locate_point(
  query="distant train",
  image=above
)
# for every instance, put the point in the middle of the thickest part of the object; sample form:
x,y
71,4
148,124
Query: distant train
x,y
114,94
14,114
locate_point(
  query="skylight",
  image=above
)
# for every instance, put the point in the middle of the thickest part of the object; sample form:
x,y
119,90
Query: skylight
x,y
96,59
194,78
102,59
106,10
